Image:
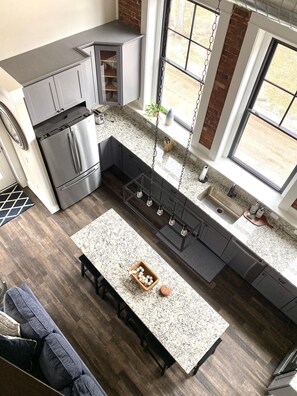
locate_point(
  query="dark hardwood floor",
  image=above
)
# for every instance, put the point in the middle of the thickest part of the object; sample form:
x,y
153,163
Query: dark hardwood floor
x,y
36,249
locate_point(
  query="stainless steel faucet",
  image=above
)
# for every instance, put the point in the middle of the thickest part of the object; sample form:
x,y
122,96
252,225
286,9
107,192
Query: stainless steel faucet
x,y
232,193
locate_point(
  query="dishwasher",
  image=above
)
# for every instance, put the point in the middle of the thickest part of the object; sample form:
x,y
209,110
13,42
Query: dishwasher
x,y
242,260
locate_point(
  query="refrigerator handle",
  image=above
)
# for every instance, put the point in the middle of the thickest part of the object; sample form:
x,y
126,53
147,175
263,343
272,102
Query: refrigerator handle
x,y
70,141
77,152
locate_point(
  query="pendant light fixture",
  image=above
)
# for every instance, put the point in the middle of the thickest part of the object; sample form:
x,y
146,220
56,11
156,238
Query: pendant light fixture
x,y
172,221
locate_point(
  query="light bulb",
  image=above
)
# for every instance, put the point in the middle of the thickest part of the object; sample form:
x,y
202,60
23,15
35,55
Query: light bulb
x,y
149,201
171,221
184,231
160,211
139,193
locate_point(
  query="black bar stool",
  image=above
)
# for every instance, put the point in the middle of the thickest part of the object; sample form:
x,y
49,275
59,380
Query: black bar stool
x,y
206,356
86,268
107,288
157,351
136,325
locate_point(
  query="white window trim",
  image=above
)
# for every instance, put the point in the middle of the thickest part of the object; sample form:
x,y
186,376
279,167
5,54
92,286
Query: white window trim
x,y
257,39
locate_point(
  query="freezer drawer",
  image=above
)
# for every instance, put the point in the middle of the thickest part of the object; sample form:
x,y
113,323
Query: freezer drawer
x,y
78,188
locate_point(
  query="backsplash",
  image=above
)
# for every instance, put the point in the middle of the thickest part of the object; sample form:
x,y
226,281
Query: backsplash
x,y
243,198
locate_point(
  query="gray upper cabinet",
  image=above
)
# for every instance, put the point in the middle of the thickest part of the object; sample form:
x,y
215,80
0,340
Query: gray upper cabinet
x,y
118,72
242,260
91,86
50,96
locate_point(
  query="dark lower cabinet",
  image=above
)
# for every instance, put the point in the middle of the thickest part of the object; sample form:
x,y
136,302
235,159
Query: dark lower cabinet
x,y
213,239
242,260
275,288
290,310
130,163
105,154
116,149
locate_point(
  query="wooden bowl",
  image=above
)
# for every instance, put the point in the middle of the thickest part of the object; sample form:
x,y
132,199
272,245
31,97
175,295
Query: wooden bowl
x,y
165,291
147,271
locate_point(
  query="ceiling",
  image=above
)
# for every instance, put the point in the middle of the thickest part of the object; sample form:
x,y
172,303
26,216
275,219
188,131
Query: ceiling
x,y
281,11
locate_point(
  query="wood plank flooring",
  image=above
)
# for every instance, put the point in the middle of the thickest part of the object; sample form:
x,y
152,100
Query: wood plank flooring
x,y
35,248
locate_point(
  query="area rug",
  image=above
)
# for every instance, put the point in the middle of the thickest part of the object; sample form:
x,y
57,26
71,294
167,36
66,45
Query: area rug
x,y
13,202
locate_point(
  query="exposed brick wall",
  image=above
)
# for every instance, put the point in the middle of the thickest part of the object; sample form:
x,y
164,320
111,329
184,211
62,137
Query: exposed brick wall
x,y
294,204
233,42
130,12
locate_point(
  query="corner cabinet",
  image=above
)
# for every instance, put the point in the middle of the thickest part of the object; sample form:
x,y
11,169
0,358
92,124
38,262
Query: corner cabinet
x,y
92,99
118,72
50,96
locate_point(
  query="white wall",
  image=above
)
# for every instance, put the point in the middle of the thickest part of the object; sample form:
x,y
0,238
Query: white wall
x,y
28,166
25,25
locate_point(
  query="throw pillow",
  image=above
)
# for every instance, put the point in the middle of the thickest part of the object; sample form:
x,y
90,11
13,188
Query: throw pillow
x,y
86,386
18,351
8,326
21,304
59,362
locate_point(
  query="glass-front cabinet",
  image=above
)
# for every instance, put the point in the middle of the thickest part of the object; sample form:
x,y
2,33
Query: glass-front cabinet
x,y
118,72
108,73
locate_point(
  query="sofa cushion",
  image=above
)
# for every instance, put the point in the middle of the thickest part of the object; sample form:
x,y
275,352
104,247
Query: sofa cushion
x,y
59,363
9,326
86,386
18,351
21,304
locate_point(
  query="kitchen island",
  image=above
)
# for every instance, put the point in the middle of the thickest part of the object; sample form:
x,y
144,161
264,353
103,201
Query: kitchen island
x,y
185,324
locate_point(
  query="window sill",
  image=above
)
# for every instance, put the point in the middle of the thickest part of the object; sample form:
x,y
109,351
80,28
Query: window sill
x,y
175,131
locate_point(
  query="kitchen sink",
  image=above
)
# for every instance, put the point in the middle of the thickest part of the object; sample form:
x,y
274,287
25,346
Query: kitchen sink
x,y
221,204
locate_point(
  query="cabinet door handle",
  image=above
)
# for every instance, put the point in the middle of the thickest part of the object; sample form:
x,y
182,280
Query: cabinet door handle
x,y
281,281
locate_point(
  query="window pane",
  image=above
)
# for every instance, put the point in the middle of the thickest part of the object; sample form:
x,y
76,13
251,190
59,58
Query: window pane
x,y
272,102
267,150
290,122
283,65
196,60
180,93
177,48
203,26
181,15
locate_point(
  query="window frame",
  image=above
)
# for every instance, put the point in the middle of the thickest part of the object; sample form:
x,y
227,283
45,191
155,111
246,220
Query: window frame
x,y
163,46
249,111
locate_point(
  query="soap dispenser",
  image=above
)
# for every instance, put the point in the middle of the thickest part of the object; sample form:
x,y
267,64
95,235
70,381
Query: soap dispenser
x,y
260,213
253,210
203,178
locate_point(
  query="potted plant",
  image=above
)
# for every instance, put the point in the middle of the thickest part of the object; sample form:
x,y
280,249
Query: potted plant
x,y
152,110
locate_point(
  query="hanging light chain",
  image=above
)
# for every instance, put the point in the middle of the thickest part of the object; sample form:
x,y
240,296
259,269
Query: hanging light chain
x,y
198,100
159,94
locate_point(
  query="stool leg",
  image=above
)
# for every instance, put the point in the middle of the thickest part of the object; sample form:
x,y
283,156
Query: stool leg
x,y
96,285
82,269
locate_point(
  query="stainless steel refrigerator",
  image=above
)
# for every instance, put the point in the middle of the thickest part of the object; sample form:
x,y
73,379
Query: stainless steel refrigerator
x,y
70,149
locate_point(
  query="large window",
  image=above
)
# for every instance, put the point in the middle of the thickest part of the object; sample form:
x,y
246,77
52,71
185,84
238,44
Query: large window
x,y
266,143
186,33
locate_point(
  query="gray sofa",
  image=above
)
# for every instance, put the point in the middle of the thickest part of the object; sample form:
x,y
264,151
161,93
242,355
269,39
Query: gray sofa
x,y
57,361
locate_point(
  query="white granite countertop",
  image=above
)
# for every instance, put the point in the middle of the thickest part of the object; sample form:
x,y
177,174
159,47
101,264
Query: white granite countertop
x,y
184,323
276,247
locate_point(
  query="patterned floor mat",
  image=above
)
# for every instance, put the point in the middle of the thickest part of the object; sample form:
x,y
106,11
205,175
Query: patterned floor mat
x,y
13,202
